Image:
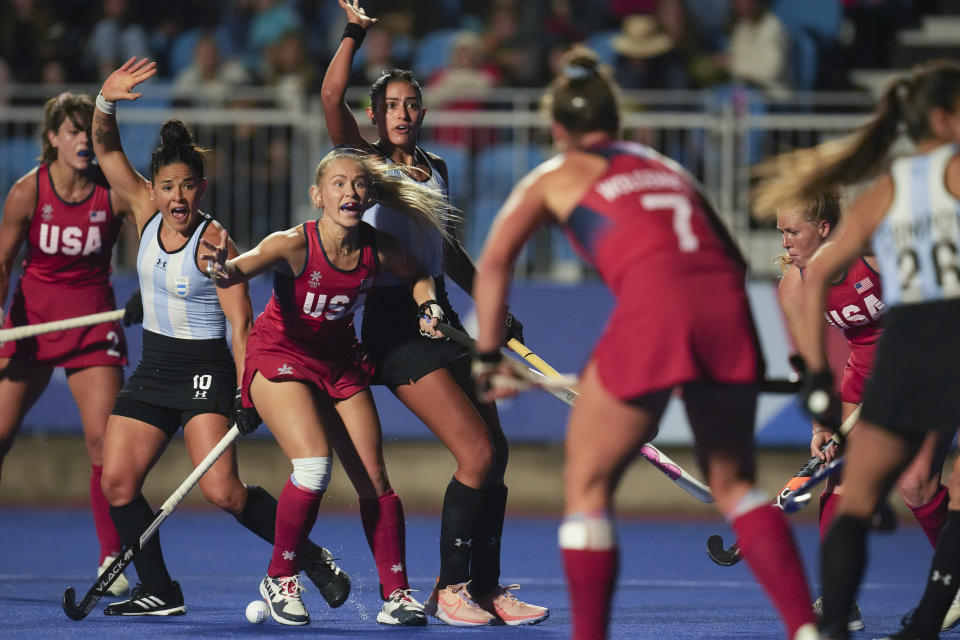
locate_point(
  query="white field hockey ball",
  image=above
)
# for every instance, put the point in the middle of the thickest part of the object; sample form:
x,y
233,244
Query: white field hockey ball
x,y
257,611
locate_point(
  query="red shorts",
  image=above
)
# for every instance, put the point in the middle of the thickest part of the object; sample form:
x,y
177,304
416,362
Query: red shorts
x,y
700,331
336,375
34,302
856,371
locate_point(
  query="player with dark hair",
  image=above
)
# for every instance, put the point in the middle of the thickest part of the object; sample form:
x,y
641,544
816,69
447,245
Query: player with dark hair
x,y
70,219
432,378
855,307
308,377
661,249
910,216
187,375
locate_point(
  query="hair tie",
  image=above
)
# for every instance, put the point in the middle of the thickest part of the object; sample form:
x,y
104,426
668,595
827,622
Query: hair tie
x,y
577,72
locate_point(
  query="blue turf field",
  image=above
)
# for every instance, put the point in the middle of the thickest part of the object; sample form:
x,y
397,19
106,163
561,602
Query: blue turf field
x,y
668,588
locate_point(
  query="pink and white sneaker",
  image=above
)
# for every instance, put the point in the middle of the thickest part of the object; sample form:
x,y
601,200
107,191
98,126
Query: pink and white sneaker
x,y
454,605
509,610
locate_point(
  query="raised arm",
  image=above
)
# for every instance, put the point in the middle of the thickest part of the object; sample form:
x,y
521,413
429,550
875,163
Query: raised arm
x,y
17,211
226,271
341,125
129,185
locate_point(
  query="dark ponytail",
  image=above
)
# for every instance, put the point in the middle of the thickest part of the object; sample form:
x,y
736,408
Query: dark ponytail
x,y
904,108
177,146
584,97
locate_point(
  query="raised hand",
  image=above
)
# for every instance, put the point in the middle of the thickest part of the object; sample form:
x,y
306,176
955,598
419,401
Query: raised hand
x,y
119,85
217,260
356,14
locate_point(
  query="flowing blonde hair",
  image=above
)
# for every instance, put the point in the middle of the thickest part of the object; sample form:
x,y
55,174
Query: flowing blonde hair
x,y
426,206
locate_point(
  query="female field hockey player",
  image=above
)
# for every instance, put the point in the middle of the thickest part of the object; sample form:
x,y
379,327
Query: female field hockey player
x,y
659,246
309,378
910,217
432,378
70,219
855,307
187,375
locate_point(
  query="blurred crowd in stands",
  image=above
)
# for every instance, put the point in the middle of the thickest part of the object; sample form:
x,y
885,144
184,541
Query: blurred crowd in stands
x,y
206,47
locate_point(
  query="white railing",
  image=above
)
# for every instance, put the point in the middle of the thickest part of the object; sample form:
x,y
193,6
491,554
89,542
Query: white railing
x,y
263,151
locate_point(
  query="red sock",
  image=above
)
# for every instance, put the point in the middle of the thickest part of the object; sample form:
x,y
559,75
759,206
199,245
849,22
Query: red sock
x,y
384,525
591,575
110,544
768,547
828,504
933,515
296,514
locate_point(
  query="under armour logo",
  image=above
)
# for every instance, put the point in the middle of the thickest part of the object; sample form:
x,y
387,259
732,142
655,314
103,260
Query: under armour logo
x,y
945,578
460,542
284,370
200,395
289,555
161,263
397,568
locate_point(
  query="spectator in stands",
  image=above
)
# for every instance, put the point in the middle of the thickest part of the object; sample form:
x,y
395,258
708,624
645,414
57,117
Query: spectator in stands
x,y
510,42
647,57
116,37
208,80
460,86
757,53
379,57
288,68
24,28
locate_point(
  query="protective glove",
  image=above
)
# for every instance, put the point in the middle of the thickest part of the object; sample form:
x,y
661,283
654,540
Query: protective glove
x,y
133,309
246,418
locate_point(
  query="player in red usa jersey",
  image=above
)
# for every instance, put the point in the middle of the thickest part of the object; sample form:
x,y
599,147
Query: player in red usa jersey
x,y
307,375
854,306
659,247
69,219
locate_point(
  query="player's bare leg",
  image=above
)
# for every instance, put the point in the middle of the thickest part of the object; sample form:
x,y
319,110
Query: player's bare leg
x,y
21,384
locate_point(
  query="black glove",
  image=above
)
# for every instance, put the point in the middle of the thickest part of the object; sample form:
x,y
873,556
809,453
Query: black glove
x,y
246,418
818,400
514,328
133,309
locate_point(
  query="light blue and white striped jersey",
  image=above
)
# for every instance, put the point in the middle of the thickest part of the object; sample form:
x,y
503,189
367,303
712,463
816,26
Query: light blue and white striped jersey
x,y
179,300
916,243
425,244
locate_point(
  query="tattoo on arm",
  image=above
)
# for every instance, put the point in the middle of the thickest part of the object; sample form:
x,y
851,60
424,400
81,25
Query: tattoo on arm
x,y
106,134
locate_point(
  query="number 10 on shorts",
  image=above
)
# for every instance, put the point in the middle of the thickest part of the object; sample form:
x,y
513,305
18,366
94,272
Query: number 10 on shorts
x,y
201,384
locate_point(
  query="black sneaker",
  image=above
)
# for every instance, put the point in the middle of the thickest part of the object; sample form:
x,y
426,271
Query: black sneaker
x,y
283,598
142,603
854,622
331,581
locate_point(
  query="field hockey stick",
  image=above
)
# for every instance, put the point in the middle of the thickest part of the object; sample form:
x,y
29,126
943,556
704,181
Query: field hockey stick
x,y
811,469
30,330
567,394
79,611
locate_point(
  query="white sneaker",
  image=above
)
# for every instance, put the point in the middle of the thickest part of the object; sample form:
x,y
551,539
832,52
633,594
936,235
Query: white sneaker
x,y
121,585
402,608
953,614
283,599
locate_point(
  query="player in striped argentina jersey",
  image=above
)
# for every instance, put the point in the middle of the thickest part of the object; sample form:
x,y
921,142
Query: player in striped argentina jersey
x,y
910,213
187,375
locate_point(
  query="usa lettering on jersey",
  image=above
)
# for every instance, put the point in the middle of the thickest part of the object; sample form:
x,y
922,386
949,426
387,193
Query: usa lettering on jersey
x,y
69,241
334,309
852,315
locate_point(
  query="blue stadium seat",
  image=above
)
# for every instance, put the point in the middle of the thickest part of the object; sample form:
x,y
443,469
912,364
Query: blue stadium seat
x,y
458,169
17,156
822,18
499,166
804,60
180,54
432,52
477,223
602,43
141,138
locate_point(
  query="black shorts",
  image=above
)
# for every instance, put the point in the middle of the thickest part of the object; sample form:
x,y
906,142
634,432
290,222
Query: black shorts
x,y
913,386
178,379
391,336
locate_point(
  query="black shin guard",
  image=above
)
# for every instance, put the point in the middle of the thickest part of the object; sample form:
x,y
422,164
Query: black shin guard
x,y
942,584
485,561
131,520
259,515
461,506
843,558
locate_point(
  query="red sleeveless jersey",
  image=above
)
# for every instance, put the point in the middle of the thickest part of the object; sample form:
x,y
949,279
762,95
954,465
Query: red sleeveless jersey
x,y
681,311
70,243
313,311
855,304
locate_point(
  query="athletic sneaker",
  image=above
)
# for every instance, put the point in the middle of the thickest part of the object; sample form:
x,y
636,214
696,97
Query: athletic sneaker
x,y
854,622
142,603
505,606
121,585
283,599
953,614
402,608
331,581
454,605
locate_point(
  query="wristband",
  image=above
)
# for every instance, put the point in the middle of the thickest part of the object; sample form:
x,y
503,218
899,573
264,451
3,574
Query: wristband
x,y
490,357
429,310
109,108
355,31
822,429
